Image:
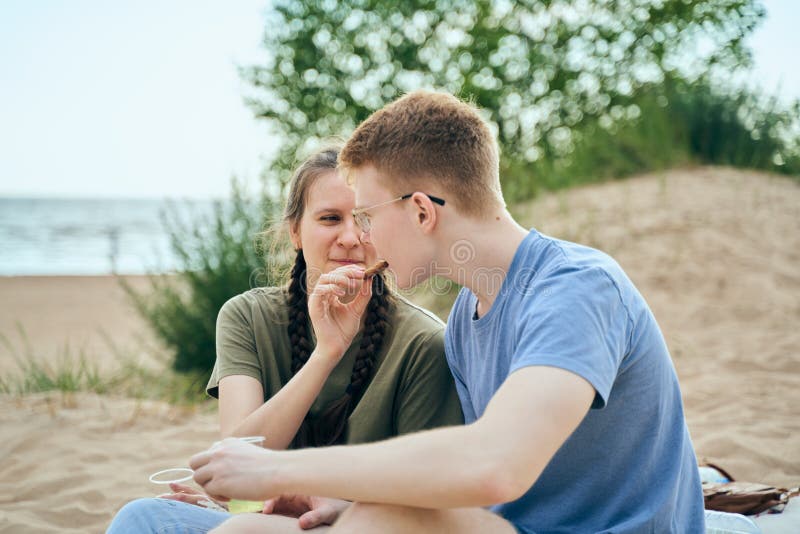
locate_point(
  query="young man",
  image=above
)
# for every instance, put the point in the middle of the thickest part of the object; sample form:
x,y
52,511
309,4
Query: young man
x,y
574,416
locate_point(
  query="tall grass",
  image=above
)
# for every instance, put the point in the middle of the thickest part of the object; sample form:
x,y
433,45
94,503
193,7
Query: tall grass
x,y
73,371
67,374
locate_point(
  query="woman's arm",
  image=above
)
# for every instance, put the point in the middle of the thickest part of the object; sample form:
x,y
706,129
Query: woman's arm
x,y
243,413
278,420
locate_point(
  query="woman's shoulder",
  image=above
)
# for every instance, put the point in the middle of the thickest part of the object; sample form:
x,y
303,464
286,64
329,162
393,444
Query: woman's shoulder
x,y
414,319
269,302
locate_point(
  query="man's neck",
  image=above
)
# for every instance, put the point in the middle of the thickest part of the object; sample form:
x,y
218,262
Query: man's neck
x,y
478,254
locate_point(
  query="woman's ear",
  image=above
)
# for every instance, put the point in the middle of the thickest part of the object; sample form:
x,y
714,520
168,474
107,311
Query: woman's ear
x,y
294,235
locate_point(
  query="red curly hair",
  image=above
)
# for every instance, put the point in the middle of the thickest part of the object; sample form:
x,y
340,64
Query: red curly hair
x,y
427,137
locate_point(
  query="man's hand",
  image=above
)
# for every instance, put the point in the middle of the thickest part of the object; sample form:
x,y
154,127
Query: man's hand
x,y
310,511
235,470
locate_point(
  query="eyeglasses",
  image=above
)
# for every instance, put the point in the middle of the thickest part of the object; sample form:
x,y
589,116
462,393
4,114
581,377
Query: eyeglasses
x,y
362,217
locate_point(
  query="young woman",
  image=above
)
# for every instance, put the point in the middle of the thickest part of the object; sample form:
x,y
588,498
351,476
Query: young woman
x,y
392,379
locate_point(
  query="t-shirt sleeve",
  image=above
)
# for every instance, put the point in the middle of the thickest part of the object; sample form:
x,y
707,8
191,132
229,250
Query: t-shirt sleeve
x,y
575,320
461,387
466,403
235,345
427,396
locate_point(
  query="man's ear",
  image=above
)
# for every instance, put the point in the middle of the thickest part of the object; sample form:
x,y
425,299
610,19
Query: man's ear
x,y
425,213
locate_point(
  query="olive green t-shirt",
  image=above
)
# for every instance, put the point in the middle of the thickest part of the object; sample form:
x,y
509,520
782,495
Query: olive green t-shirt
x,y
411,386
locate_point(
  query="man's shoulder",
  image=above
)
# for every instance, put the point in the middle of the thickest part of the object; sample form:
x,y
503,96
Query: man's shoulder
x,y
557,257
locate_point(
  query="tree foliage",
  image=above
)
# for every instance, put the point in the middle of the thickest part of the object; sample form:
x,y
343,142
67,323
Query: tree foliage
x,y
541,69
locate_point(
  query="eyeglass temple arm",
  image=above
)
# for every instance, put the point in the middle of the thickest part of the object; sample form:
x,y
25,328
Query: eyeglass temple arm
x,y
435,200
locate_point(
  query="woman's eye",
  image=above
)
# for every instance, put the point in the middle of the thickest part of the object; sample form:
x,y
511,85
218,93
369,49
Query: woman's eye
x,y
330,218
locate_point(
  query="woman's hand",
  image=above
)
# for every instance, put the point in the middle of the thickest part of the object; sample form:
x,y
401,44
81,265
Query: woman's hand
x,y
309,511
336,306
190,495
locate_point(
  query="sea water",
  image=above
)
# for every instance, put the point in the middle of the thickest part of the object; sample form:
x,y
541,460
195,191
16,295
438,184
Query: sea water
x,y
90,236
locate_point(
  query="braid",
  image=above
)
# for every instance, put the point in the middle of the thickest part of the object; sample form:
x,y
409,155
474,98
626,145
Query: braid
x,y
329,428
298,314
298,332
375,326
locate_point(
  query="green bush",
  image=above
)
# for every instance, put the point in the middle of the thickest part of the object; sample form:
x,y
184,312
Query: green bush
x,y
219,258
666,125
737,127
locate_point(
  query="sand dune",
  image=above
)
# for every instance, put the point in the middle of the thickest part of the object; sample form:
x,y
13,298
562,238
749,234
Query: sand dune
x,y
715,251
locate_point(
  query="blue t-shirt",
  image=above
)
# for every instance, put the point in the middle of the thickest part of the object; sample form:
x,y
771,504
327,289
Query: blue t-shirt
x,y
630,465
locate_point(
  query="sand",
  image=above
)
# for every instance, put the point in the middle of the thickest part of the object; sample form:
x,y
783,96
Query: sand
x,y
52,317
715,252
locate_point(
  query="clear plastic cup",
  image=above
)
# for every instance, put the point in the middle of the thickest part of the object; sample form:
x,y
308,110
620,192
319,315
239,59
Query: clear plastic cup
x,y
174,475
237,506
183,474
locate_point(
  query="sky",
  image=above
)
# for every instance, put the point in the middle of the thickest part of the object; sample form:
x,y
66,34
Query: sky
x,y
143,99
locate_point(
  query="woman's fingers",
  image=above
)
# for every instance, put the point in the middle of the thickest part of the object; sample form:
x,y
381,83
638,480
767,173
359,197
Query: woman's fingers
x,y
190,498
350,277
182,488
359,304
269,506
324,515
184,493
329,289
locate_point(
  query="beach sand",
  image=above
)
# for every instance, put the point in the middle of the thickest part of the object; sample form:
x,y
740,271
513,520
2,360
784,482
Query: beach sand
x,y
52,317
715,252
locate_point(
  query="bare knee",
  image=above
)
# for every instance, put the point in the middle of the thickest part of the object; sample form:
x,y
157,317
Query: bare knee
x,y
257,523
366,518
361,517
240,523
389,519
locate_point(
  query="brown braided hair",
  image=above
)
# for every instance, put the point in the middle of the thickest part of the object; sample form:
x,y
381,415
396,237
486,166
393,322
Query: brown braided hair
x,y
329,427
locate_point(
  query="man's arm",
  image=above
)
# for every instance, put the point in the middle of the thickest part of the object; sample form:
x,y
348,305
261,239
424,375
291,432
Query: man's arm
x,y
495,459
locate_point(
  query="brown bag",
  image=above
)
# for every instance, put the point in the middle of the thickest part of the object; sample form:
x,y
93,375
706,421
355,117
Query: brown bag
x,y
744,497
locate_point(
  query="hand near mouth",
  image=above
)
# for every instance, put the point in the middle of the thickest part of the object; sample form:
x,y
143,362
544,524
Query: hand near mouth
x,y
336,306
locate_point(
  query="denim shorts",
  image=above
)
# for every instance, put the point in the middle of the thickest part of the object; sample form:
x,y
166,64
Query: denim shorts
x,y
164,516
